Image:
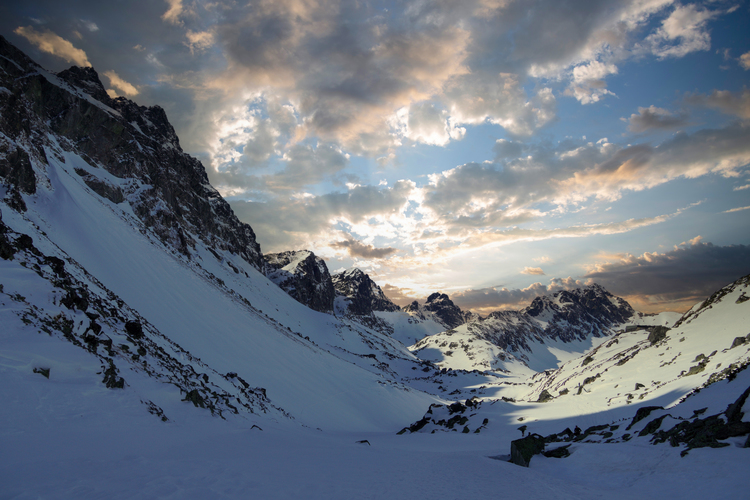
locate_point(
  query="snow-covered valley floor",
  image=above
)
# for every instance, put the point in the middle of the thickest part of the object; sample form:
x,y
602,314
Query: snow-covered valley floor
x,y
69,438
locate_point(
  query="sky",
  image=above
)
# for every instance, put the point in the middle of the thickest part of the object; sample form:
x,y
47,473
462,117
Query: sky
x,y
493,150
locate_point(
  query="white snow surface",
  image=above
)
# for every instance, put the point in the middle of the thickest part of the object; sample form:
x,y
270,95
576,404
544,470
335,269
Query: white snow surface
x,y
68,436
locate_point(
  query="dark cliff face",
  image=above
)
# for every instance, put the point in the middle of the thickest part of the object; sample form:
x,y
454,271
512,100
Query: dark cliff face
x,y
167,189
364,296
304,277
445,310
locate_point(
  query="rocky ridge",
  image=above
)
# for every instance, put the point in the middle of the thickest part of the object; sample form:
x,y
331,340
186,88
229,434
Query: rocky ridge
x,y
566,315
133,153
358,295
441,308
304,277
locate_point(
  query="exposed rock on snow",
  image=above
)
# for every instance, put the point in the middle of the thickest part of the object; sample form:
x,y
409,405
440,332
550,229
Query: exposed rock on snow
x,y
521,450
133,151
512,336
75,307
304,277
359,295
445,311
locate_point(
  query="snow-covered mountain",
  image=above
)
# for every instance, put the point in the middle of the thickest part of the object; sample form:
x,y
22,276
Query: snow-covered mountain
x,y
656,368
145,351
102,185
358,295
440,308
304,277
550,330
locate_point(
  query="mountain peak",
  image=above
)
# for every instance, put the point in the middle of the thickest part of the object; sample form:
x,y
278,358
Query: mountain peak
x,y
87,79
128,154
362,295
304,276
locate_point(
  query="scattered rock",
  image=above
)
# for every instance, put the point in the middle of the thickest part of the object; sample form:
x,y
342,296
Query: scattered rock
x,y
111,380
652,426
642,413
134,329
42,371
560,452
195,397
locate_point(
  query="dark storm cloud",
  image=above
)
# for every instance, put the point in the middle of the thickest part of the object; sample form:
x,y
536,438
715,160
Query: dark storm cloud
x,y
358,249
689,273
655,118
731,103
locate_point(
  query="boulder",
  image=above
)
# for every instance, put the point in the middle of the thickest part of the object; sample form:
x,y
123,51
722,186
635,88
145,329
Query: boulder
x,y
521,450
657,334
544,397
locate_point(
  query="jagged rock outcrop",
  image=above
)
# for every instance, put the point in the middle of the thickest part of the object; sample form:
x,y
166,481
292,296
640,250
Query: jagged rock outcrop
x,y
566,315
358,295
415,310
133,153
445,311
440,308
304,277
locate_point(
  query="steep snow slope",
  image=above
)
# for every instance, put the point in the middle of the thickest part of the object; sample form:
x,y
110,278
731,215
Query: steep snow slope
x,y
103,183
407,328
193,309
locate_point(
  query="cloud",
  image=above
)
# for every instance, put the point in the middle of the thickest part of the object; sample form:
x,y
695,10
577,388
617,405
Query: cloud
x,y
731,103
683,276
654,118
721,151
428,124
486,300
739,209
485,203
745,60
501,100
683,32
399,296
53,44
91,26
120,84
588,84
515,235
505,149
533,270
306,221
358,249
172,15
199,40
300,166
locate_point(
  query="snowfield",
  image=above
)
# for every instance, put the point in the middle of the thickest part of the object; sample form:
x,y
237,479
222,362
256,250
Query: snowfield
x,y
138,360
